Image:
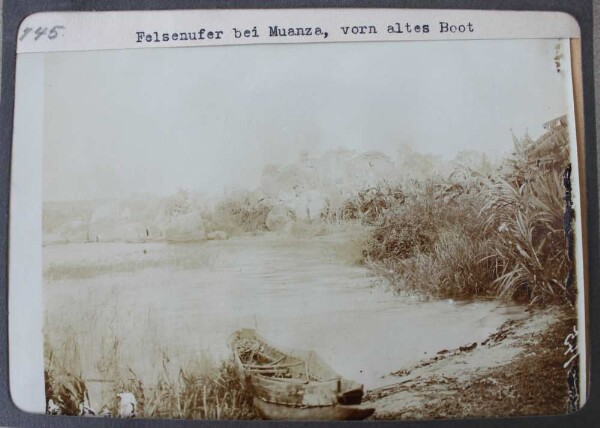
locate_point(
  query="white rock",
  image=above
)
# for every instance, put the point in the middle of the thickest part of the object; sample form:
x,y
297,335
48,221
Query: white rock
x,y
186,228
75,231
108,212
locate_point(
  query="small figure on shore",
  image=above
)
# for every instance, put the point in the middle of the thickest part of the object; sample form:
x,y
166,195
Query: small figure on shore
x,y
127,405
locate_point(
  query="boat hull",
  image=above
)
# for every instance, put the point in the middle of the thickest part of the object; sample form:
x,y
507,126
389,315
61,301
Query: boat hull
x,y
323,413
293,384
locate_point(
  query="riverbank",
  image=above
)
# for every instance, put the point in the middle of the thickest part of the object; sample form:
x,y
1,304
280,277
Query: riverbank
x,y
91,284
518,370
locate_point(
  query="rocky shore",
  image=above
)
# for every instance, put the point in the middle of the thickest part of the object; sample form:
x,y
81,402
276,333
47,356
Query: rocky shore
x,y
518,370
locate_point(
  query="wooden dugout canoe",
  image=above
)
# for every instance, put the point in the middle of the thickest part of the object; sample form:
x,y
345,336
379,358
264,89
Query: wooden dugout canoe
x,y
294,384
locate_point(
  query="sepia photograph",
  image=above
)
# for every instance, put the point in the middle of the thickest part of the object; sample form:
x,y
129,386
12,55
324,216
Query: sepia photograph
x,y
311,231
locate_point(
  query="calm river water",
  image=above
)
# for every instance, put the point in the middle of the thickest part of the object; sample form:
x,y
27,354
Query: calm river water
x,y
184,301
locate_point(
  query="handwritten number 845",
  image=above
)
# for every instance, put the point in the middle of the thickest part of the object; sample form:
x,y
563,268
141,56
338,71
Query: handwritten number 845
x,y
41,31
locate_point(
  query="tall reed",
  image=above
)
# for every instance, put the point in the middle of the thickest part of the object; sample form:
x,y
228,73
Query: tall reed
x,y
500,230
200,390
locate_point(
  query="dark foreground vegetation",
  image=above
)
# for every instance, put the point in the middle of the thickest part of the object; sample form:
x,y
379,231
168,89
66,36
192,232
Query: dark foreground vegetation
x,y
485,230
196,392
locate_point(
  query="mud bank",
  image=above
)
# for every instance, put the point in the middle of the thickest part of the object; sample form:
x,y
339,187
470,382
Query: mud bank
x,y
518,370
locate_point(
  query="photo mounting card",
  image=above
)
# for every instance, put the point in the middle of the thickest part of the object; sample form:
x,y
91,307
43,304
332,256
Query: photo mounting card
x,y
315,214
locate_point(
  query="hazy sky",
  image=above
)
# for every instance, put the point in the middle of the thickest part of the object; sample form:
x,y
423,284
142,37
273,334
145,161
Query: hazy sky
x,y
156,120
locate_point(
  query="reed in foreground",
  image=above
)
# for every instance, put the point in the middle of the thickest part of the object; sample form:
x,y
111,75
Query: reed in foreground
x,y
196,392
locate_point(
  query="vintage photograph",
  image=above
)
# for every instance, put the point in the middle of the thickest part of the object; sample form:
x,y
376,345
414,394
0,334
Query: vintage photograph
x,y
311,231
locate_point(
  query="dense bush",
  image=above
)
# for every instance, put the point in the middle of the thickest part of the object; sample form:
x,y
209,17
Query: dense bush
x,y
404,234
414,224
501,231
528,212
239,214
369,205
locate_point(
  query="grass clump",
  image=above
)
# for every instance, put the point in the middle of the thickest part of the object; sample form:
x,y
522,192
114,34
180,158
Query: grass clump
x,y
198,394
529,215
199,390
240,214
502,230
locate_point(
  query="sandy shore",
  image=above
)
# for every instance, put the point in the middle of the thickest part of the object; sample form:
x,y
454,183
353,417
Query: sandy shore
x,y
518,370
